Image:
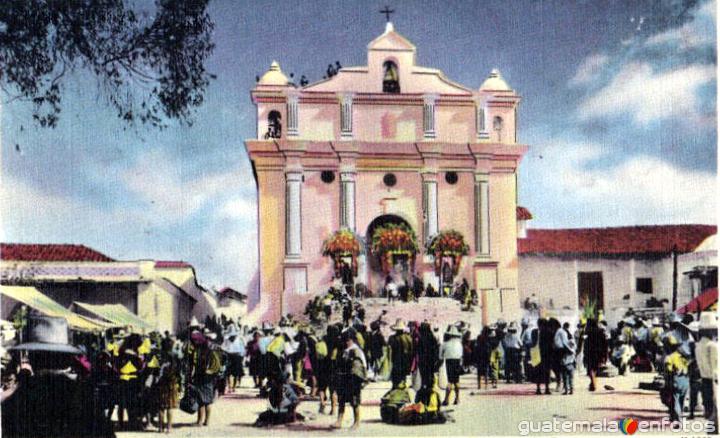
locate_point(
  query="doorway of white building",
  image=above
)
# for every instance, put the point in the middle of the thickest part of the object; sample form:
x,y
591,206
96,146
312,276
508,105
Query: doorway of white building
x,y
590,290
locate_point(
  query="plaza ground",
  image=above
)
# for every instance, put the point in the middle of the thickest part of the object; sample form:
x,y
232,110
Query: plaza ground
x,y
481,412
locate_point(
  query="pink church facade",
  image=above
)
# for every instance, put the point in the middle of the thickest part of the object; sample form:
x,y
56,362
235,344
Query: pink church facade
x,y
386,142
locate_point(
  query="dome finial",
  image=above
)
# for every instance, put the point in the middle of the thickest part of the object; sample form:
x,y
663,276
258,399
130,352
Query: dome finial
x,y
495,82
274,76
389,27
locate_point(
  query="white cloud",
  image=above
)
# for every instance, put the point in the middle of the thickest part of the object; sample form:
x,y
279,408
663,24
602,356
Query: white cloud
x,y
31,215
646,96
157,179
224,251
589,69
640,190
234,256
239,208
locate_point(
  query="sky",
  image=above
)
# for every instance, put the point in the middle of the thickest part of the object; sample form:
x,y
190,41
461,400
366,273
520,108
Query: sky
x,y
619,111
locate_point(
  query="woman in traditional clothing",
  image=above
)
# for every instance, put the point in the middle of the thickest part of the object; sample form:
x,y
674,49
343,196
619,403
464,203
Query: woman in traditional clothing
x,y
595,350
168,384
130,366
428,351
481,356
204,368
254,356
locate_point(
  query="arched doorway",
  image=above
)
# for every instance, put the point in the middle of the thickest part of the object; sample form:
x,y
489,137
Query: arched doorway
x,y
402,264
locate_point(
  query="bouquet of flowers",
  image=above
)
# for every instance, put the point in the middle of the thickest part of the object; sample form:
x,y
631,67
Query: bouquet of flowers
x,y
393,239
448,243
342,243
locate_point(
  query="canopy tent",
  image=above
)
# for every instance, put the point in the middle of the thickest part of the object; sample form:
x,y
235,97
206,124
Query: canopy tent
x,y
42,303
117,314
700,303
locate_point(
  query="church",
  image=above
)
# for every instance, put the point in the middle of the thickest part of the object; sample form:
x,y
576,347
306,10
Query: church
x,y
389,169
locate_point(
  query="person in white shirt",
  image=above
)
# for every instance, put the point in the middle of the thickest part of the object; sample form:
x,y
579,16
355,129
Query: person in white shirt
x,y
451,352
706,356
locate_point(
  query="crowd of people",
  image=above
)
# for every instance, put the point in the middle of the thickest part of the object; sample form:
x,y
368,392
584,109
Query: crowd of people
x,y
141,379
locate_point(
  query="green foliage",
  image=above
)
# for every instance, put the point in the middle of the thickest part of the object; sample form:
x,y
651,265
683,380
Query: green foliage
x,y
20,318
149,64
590,309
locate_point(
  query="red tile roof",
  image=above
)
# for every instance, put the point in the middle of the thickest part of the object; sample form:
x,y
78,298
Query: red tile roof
x,y
50,253
172,264
523,214
648,240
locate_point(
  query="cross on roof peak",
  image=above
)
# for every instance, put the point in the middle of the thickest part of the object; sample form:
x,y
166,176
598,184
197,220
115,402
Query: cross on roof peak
x,y
387,11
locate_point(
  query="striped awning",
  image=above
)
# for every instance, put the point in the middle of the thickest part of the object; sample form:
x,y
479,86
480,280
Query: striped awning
x,y
35,299
118,315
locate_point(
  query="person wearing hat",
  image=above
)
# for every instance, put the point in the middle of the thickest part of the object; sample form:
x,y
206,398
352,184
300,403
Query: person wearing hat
x,y
680,330
706,356
263,360
401,353
131,366
352,374
655,343
204,367
677,378
451,352
234,347
49,399
513,354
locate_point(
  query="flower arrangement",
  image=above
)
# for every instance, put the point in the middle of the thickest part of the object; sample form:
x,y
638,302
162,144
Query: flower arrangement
x,y
342,243
394,239
448,243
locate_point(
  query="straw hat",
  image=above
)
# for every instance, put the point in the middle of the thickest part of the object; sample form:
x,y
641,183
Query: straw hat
x,y
232,330
453,332
708,321
46,333
209,334
399,325
194,322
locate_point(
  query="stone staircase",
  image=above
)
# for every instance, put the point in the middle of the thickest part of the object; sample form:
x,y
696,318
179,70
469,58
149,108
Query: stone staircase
x,y
440,312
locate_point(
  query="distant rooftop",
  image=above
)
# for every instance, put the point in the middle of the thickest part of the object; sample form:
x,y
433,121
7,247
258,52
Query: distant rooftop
x,y
522,213
51,253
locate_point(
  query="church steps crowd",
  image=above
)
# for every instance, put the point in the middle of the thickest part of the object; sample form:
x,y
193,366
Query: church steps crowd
x,y
139,380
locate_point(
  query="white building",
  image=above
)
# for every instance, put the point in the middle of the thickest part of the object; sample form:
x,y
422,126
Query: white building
x,y
165,294
616,268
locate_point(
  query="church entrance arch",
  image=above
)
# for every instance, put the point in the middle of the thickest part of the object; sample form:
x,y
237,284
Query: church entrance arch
x,y
401,269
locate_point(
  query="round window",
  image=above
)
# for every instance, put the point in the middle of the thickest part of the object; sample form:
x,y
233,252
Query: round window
x,y
451,177
390,179
327,176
